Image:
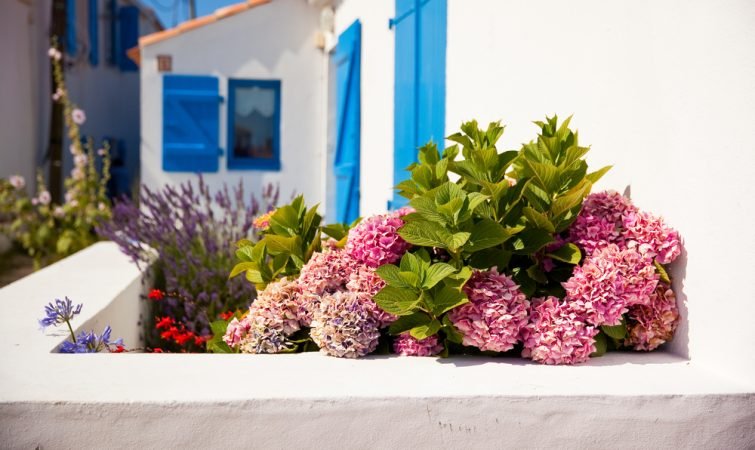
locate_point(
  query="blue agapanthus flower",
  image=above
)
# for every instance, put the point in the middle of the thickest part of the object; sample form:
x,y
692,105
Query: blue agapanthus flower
x,y
90,342
60,312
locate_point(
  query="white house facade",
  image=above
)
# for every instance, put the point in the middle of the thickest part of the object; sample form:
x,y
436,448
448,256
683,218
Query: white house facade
x,y
659,90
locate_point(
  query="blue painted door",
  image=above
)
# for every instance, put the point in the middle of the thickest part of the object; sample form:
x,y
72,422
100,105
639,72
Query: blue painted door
x,y
348,106
420,82
191,109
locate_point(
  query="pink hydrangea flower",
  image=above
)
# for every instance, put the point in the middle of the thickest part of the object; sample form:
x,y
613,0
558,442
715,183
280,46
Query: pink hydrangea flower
x,y
236,331
608,282
651,325
556,334
273,316
364,280
325,273
375,240
59,212
495,314
78,116
346,325
650,235
600,221
405,345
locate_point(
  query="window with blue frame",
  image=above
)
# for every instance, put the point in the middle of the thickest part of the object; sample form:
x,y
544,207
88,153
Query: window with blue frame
x,y
254,124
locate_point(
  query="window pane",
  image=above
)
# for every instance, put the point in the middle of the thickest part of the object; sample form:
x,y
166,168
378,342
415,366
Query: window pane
x,y
254,122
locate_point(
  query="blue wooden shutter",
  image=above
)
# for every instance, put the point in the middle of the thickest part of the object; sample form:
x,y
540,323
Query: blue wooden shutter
x,y
346,164
94,38
405,93
71,27
420,82
128,36
191,108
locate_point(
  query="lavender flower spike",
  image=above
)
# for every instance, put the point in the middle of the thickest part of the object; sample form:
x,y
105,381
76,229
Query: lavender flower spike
x,y
59,313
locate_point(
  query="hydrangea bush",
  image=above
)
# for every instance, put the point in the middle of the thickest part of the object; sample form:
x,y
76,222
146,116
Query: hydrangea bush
x,y
50,231
496,253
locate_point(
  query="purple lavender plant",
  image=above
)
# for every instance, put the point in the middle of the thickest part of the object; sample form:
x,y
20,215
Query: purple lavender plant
x,y
189,229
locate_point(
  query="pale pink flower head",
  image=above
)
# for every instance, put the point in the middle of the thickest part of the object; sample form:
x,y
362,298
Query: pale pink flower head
x,y
54,53
80,160
17,181
405,345
44,198
364,280
608,282
345,325
651,325
272,318
600,221
73,149
556,334
325,273
650,235
236,331
495,314
78,116
375,240
101,152
59,212
77,173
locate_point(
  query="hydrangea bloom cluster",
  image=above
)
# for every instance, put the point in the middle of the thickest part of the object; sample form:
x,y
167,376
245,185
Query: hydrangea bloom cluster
x,y
610,218
556,334
495,314
405,345
346,325
375,240
325,273
271,319
610,281
651,325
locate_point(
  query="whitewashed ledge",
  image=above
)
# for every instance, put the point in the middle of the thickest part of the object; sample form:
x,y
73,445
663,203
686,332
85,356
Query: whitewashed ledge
x,y
50,400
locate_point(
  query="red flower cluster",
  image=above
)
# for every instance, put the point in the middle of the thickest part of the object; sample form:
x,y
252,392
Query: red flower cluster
x,y
156,295
177,332
226,315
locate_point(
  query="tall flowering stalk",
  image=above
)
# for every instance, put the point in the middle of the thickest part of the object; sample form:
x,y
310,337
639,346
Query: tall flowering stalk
x,y
49,231
183,232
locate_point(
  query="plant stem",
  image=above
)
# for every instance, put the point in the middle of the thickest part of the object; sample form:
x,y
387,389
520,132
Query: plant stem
x,y
73,336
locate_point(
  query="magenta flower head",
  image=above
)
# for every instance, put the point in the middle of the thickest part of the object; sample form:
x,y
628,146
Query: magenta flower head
x,y
346,325
495,314
608,282
405,345
375,240
556,334
651,325
650,235
600,221
60,312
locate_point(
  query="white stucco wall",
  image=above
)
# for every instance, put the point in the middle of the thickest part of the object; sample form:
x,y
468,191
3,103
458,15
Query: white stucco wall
x,y
23,87
377,98
138,400
271,41
662,90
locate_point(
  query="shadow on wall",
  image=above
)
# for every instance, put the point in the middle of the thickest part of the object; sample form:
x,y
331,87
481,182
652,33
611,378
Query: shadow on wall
x,y
678,272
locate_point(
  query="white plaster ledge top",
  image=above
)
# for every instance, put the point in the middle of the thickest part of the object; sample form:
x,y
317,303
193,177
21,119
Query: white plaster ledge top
x,y
29,372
